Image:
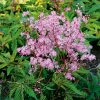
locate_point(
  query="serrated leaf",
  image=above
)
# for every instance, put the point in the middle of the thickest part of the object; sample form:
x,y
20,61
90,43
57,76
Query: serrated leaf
x,y
71,86
30,92
21,70
94,8
12,92
19,94
82,71
14,49
7,39
3,65
68,97
95,81
6,55
62,82
2,60
9,69
48,88
42,97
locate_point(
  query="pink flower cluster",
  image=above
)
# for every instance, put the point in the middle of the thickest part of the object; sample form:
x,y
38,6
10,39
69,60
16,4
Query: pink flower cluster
x,y
25,13
67,9
54,31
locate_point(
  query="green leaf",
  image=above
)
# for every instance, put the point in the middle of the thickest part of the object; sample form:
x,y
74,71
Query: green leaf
x,y
30,78
6,39
2,60
94,82
19,94
98,43
21,70
62,82
82,71
42,97
78,76
91,97
9,69
71,86
6,55
94,8
3,65
30,92
12,92
68,97
14,51
49,88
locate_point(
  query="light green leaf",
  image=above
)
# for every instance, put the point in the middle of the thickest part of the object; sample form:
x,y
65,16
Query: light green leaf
x,y
94,8
30,92
9,69
68,97
14,46
42,97
3,65
2,60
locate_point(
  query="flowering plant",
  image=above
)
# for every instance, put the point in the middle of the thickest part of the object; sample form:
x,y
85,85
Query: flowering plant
x,y
55,34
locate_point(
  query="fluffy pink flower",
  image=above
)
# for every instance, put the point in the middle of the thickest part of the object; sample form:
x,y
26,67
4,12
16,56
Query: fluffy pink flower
x,y
33,61
84,19
67,9
38,90
79,13
73,66
53,53
25,50
25,13
31,19
92,57
47,63
88,57
26,34
69,76
41,15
